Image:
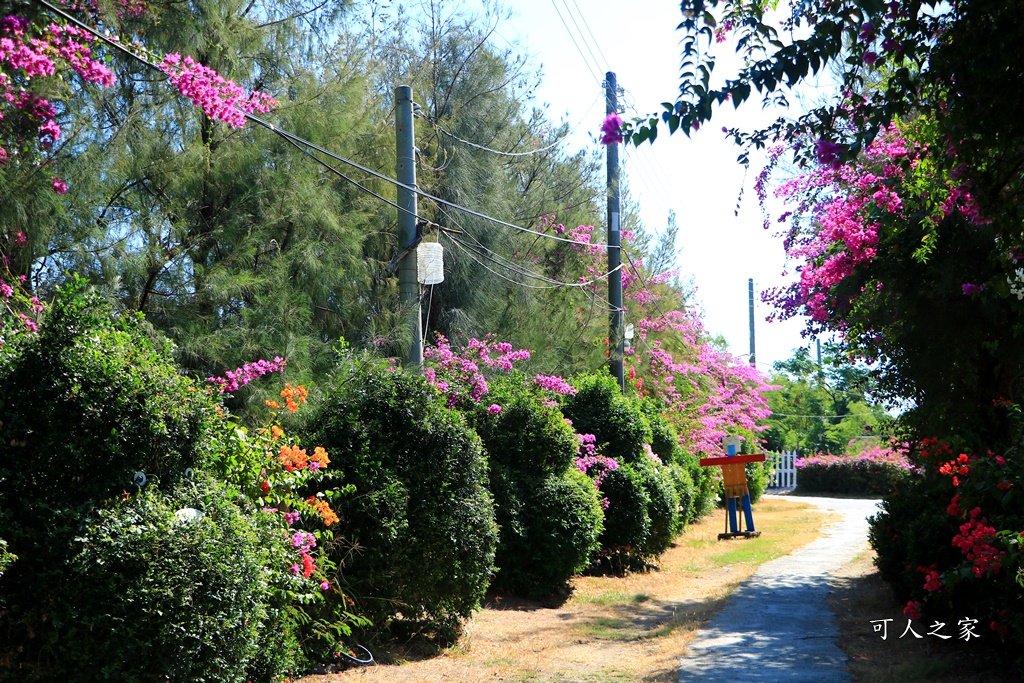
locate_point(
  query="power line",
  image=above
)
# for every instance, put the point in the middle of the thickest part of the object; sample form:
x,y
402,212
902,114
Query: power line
x,y
597,43
453,136
573,38
583,38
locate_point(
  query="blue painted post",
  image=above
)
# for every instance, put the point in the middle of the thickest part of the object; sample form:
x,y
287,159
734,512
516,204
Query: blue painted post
x,y
730,503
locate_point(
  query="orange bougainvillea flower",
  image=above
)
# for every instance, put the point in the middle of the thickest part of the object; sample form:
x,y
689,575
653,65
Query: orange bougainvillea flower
x,y
320,456
294,396
272,404
323,509
276,432
293,458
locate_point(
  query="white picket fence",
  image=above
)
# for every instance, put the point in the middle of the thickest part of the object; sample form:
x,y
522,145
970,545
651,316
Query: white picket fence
x,y
785,470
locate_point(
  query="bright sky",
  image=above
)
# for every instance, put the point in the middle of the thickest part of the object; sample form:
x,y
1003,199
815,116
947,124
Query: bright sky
x,y
698,177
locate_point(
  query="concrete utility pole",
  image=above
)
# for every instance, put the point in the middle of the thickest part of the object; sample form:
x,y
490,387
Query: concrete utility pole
x,y
405,170
750,297
615,338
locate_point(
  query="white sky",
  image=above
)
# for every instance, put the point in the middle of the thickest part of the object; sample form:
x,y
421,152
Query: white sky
x,y
698,177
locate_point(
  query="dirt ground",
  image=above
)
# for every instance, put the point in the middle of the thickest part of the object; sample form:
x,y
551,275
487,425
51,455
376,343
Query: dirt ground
x,y
611,629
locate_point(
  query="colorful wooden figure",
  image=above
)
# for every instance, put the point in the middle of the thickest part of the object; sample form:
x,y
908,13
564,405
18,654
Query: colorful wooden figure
x,y
734,474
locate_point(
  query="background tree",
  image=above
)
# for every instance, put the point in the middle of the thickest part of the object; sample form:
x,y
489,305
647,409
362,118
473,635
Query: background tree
x,y
826,408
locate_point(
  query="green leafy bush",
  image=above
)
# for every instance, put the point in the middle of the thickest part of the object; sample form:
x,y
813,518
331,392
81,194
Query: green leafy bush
x,y
662,506
549,529
100,589
627,522
949,541
420,527
88,402
664,438
759,475
525,434
549,513
155,596
599,408
686,490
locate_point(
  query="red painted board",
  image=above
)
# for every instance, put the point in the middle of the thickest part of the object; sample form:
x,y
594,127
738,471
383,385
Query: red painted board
x,y
733,459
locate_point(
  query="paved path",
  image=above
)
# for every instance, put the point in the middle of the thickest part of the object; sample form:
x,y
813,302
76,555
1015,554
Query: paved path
x,y
777,627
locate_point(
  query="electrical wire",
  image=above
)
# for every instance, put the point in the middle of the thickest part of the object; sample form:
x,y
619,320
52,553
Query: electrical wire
x,y
573,38
586,42
279,131
597,43
474,145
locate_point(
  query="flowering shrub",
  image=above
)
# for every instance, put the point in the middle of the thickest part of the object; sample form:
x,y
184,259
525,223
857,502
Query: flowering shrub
x,y
968,510
105,490
599,408
875,471
459,374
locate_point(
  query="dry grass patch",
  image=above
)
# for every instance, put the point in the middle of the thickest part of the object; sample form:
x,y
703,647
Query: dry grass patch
x,y
631,628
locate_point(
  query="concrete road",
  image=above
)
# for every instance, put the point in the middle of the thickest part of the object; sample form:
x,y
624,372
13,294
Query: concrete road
x,y
778,627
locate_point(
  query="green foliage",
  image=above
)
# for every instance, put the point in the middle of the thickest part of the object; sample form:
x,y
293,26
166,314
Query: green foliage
x,y
549,529
627,522
822,409
548,512
853,476
707,492
643,515
420,526
687,492
599,408
100,379
664,438
526,435
109,585
662,508
949,539
153,596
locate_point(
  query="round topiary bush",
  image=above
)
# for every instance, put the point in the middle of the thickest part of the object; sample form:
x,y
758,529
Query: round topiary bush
x,y
599,408
662,506
525,433
549,513
157,594
421,522
664,438
550,533
627,522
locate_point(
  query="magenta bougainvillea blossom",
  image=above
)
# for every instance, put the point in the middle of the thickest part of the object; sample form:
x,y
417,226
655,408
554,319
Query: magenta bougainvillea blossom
x,y
32,56
611,130
233,380
219,98
842,209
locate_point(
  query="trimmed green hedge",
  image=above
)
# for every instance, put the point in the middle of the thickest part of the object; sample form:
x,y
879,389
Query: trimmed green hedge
x,y
420,525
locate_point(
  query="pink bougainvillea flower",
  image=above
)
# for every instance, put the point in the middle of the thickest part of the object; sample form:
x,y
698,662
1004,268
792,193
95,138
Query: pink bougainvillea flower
x,y
611,130
59,186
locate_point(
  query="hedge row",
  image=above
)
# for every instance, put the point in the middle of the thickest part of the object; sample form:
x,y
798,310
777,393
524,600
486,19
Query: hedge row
x,y
141,531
